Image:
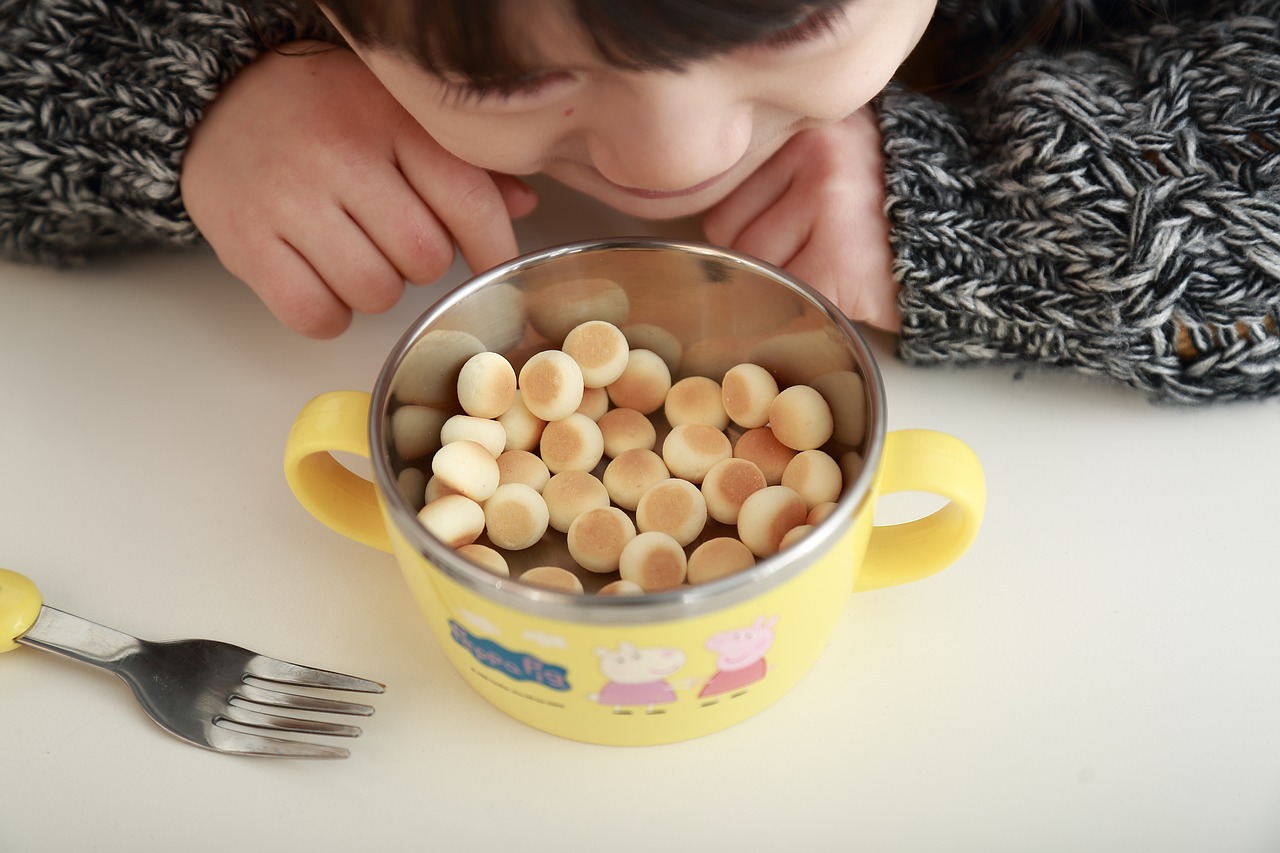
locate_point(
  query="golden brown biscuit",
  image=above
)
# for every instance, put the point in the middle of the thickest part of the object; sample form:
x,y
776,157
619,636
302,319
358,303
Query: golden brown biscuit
x,y
800,418
746,391
815,476
727,485
551,385
692,449
696,400
486,385
595,403
625,429
486,558
571,444
674,507
718,558
620,587
762,447
766,516
653,561
631,474
596,538
553,578
644,383
521,466
515,517
571,493
600,349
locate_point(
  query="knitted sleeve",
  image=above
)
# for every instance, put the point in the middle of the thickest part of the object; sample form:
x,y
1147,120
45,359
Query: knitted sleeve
x,y
1113,209
97,98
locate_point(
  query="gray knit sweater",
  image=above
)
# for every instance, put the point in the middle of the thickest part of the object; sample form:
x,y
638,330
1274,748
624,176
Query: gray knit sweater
x,y
1108,200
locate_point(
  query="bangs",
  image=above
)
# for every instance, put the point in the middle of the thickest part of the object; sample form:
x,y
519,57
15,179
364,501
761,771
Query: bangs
x,y
481,40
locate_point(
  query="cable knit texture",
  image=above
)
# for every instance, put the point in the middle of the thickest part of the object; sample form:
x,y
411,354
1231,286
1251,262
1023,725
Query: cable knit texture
x,y
1111,205
97,98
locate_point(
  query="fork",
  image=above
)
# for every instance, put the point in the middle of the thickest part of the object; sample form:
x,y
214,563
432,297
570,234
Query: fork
x,y
207,692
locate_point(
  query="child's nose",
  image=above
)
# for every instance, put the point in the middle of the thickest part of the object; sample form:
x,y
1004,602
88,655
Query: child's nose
x,y
674,131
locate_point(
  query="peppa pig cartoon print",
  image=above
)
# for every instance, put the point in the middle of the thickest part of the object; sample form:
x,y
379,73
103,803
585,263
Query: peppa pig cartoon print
x,y
637,677
740,659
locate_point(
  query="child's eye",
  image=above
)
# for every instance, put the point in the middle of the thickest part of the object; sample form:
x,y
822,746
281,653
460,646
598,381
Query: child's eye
x,y
821,22
503,89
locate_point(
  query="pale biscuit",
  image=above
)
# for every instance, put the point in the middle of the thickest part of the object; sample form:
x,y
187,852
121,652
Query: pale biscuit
x,y
411,483
453,519
654,562
522,427
571,493
428,375
555,307
521,466
696,400
674,507
820,513
794,535
747,390
626,429
658,340
815,476
727,485
644,383
596,538
515,517
800,418
595,403
846,396
486,385
631,474
486,558
415,431
553,578
466,467
692,449
762,447
571,444
620,587
718,558
488,434
766,516
551,385
600,349
437,489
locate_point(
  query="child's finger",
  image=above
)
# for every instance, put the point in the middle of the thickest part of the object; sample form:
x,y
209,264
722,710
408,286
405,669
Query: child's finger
x,y
348,262
293,292
463,197
402,226
518,196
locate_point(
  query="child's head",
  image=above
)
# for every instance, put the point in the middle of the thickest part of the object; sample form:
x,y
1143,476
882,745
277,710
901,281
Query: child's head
x,y
656,107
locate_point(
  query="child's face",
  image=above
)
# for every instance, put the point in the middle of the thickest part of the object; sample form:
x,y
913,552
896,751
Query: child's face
x,y
658,144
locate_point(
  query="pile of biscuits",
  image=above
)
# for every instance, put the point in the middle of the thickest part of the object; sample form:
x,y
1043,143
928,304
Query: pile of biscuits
x,y
653,483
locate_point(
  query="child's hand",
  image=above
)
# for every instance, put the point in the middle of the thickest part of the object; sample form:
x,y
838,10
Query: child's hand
x,y
319,191
816,208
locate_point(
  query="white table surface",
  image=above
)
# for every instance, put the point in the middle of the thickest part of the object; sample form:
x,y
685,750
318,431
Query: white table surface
x,y
1098,673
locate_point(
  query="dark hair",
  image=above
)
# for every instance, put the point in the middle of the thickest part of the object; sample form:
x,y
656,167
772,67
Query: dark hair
x,y
478,39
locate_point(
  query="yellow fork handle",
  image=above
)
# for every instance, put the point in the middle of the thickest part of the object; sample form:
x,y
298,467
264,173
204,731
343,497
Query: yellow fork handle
x,y
338,497
20,604
936,463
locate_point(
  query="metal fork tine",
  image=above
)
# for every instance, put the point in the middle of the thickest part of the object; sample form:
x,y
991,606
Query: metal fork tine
x,y
242,743
283,672
259,720
298,702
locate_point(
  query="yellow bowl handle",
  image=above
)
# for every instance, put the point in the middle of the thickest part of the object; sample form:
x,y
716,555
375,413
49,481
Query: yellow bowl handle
x,y
340,498
936,463
19,607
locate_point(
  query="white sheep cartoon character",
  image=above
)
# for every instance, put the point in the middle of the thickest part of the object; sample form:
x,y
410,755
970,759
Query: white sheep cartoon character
x,y
637,677
740,658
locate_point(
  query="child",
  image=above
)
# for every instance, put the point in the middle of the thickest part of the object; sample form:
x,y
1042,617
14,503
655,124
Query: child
x,y
1100,190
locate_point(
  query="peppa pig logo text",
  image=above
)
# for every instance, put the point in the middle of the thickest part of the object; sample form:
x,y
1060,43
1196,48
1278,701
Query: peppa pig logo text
x,y
517,665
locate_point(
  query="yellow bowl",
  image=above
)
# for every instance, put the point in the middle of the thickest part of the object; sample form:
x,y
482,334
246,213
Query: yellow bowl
x,y
667,666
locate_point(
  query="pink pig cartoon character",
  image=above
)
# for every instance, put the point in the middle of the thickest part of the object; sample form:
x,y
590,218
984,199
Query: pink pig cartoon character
x,y
740,658
637,677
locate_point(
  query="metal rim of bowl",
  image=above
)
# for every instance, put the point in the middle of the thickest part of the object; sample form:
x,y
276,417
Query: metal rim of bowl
x,y
651,607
